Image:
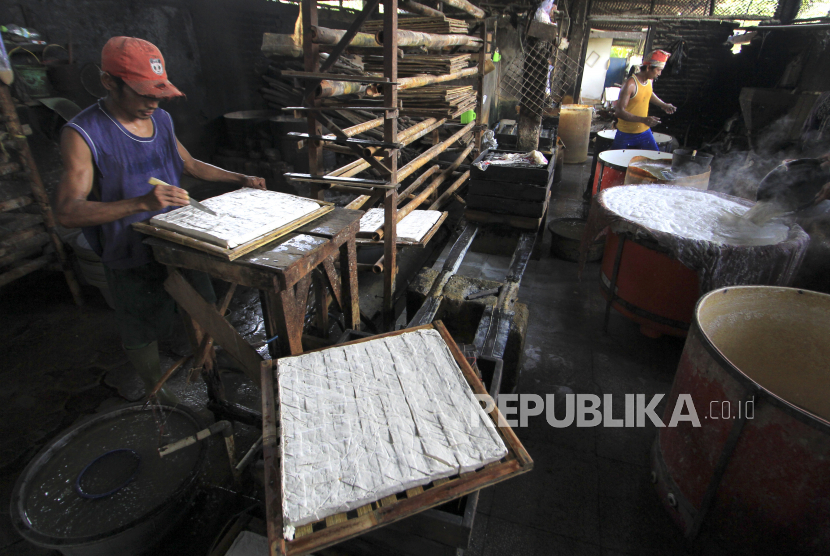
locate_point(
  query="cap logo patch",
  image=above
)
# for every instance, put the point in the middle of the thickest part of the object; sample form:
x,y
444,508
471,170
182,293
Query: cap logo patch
x,y
156,66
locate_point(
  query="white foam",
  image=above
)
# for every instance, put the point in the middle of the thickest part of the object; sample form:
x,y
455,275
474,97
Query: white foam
x,y
692,214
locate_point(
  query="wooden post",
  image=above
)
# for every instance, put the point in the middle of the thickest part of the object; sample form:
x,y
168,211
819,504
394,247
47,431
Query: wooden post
x,y
481,125
311,58
390,135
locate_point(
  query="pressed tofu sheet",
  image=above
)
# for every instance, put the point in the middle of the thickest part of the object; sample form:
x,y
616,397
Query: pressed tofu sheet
x,y
413,227
367,420
241,216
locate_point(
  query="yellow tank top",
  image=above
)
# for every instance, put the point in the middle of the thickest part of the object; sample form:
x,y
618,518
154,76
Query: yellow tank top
x,y
637,105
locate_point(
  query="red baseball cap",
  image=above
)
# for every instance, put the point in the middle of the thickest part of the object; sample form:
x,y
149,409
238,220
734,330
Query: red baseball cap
x,y
140,64
657,59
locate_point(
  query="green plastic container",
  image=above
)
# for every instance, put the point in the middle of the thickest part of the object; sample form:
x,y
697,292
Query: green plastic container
x,y
468,116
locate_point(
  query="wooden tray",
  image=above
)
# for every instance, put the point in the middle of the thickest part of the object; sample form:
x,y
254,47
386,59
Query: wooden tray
x,y
339,527
422,243
239,250
509,190
538,174
499,205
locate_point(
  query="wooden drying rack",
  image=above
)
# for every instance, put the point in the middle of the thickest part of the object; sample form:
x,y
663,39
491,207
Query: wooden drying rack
x,y
346,525
315,72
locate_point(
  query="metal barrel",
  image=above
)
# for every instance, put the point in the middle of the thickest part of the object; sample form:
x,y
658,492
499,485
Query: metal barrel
x,y
756,471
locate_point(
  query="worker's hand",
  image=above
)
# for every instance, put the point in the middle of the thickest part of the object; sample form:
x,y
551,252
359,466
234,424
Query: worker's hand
x,y
652,121
823,195
163,196
669,108
825,161
254,182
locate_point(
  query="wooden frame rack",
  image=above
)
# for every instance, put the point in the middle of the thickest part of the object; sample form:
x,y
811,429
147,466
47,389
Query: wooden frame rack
x,y
25,235
343,526
315,113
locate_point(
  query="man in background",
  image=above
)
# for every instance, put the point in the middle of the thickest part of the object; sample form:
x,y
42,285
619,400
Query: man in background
x,y
634,124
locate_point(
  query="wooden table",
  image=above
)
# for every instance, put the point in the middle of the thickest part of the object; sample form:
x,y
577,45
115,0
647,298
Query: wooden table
x,y
282,271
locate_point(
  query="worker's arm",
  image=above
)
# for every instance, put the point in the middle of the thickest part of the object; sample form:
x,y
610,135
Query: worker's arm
x,y
203,171
622,112
667,108
75,211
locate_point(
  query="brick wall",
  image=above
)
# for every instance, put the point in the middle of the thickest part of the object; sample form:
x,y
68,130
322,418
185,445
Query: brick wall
x,y
706,90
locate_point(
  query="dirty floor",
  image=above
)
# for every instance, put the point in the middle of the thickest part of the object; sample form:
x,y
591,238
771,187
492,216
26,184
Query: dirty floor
x,y
588,494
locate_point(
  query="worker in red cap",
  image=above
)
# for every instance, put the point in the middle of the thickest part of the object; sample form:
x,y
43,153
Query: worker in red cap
x,y
110,151
634,124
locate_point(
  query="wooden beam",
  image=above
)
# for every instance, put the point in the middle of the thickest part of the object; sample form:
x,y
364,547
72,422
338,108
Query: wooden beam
x,y
214,324
390,135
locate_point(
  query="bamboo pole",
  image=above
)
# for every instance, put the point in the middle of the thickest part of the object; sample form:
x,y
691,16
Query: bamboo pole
x,y
431,40
467,7
433,152
417,183
359,165
424,80
410,134
417,8
324,35
377,268
423,195
448,193
328,88
24,269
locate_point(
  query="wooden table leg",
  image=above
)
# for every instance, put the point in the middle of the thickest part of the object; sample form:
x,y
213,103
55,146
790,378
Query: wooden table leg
x,y
214,323
268,301
322,298
348,277
288,315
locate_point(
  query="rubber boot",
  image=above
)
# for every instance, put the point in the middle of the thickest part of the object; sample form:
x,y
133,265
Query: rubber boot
x,y
146,363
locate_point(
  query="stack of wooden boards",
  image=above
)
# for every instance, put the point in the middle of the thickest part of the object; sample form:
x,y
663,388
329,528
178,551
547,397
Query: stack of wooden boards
x,y
439,100
422,25
513,194
421,64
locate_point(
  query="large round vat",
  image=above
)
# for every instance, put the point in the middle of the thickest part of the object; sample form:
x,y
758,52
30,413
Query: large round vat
x,y
652,289
756,471
247,127
101,487
613,165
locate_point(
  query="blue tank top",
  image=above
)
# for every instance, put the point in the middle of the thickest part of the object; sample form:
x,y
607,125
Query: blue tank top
x,y
123,164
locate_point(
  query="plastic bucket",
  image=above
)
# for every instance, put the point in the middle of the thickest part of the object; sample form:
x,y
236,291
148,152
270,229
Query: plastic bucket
x,y
575,131
33,78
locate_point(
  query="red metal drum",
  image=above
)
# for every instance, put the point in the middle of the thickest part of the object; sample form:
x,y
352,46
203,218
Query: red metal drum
x,y
652,289
756,472
612,166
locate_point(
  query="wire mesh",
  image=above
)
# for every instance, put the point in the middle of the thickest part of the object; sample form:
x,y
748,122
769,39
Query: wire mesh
x,y
540,77
693,8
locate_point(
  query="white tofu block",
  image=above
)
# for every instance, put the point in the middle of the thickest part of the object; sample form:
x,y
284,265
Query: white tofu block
x,y
241,216
413,227
368,420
